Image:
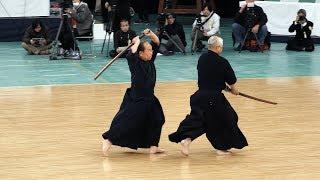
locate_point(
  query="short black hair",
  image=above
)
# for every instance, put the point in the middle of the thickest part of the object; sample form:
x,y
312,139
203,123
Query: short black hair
x,y
141,46
170,14
37,22
302,11
208,5
124,20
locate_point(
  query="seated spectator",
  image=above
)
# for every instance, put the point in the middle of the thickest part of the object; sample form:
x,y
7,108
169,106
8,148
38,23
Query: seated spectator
x,y
83,17
250,17
175,31
36,39
207,25
302,40
122,38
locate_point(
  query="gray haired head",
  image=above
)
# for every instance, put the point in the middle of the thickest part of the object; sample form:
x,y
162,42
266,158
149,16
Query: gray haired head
x,y
215,41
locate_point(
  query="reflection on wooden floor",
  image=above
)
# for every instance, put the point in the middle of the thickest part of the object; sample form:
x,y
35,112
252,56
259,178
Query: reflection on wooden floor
x,y
54,133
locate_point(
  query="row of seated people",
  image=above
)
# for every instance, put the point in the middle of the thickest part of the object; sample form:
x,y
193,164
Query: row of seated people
x,y
252,18
172,35
78,23
205,26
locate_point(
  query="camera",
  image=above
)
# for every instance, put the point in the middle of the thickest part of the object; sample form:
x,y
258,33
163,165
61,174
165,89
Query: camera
x,y
302,18
198,20
38,41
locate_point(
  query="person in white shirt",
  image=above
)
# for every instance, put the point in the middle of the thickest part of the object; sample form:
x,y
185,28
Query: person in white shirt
x,y
205,26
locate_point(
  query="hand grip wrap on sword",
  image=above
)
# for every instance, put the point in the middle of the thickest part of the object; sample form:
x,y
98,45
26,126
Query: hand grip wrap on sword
x,y
115,58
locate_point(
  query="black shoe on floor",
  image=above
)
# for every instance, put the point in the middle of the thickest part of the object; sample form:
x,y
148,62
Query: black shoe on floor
x,y
239,48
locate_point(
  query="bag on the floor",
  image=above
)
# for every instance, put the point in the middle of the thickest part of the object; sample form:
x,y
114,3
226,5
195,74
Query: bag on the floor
x,y
252,45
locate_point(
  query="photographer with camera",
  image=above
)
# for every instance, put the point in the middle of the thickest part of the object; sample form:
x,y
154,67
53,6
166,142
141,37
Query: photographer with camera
x,y
302,40
83,17
207,24
251,18
173,34
68,47
36,39
122,39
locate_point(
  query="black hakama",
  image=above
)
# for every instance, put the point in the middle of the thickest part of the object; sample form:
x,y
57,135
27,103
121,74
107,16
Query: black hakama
x,y
211,113
140,119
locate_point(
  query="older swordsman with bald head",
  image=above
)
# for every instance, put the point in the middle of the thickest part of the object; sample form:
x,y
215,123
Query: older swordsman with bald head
x,y
211,113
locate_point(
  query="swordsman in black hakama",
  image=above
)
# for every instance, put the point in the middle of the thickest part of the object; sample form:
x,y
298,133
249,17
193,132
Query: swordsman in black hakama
x,y
211,113
140,119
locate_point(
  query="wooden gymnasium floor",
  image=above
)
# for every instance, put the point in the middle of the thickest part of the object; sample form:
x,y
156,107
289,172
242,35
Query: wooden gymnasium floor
x,y
54,132
51,127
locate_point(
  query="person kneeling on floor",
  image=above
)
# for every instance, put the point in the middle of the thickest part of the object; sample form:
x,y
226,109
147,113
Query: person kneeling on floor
x,y
302,40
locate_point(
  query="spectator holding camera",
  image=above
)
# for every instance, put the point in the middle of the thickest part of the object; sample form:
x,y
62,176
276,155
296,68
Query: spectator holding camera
x,y
249,17
303,28
36,39
207,25
83,17
122,39
174,36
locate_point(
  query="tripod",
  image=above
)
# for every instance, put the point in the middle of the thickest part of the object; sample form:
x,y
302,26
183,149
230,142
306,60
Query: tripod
x,y
55,55
174,43
193,47
110,29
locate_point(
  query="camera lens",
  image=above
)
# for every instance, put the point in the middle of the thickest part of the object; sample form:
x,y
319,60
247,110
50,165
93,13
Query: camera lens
x,y
301,18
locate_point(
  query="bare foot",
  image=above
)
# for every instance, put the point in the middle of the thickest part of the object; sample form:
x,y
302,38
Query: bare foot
x,y
223,152
155,157
156,150
106,145
185,146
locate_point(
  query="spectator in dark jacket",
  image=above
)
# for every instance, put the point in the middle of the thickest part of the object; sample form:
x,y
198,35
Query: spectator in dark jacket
x,y
83,17
250,17
36,39
122,38
175,31
302,40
